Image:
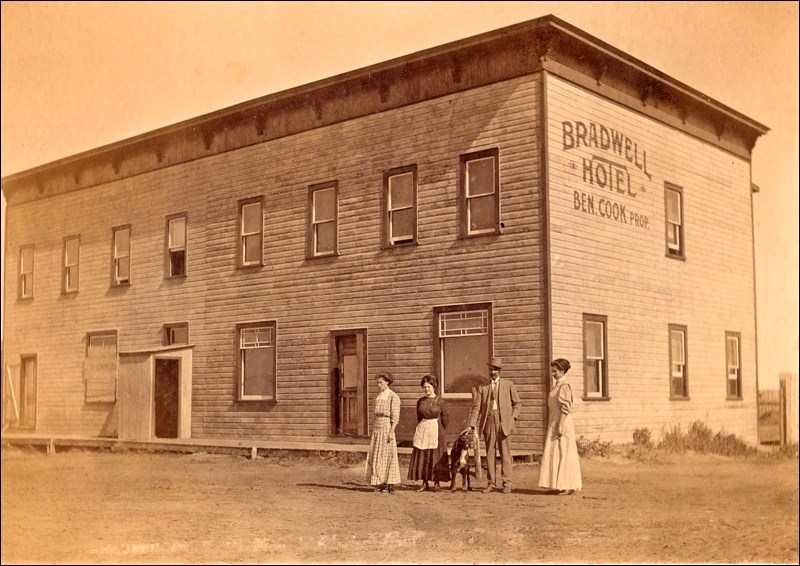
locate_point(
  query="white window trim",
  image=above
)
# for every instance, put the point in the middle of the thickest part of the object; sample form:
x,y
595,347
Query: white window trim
x,y
315,223
405,238
118,257
471,232
260,339
245,235
444,334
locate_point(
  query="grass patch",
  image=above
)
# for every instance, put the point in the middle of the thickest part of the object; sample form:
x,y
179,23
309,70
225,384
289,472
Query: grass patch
x,y
701,439
591,448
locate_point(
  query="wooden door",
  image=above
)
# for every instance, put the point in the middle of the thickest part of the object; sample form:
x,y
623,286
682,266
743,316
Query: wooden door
x,y
350,384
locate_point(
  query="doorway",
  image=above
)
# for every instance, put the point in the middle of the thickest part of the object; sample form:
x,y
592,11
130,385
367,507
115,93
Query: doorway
x,y
166,397
349,387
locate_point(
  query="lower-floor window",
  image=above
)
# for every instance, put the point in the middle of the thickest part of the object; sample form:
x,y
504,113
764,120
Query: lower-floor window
x,y
463,347
733,364
678,369
256,361
595,362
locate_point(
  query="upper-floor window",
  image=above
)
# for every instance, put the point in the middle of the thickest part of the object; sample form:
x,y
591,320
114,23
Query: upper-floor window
x,y
176,245
323,219
480,192
26,272
176,333
121,251
400,219
673,207
251,232
257,357
733,363
595,358
678,386
71,273
463,347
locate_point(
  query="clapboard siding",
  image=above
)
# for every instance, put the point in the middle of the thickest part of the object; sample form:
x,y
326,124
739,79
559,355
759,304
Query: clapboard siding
x,y
55,325
607,267
390,292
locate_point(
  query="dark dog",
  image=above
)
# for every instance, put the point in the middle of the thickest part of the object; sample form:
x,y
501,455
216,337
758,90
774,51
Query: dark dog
x,y
459,461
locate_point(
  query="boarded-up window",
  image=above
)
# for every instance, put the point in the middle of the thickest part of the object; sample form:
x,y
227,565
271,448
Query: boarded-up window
x,y
733,363
257,357
100,368
27,392
464,347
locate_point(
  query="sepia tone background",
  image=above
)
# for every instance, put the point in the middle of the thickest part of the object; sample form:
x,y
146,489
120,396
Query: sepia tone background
x,y
79,75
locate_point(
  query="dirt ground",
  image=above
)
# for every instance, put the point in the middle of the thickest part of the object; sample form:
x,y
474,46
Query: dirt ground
x,y
103,507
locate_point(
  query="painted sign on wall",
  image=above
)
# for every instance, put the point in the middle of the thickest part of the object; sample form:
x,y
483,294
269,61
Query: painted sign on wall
x,y
614,158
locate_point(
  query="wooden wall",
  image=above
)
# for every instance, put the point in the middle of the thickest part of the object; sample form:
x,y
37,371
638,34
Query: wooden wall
x,y
618,268
392,293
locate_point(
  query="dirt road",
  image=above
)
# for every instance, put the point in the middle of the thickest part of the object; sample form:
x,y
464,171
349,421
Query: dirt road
x,y
88,507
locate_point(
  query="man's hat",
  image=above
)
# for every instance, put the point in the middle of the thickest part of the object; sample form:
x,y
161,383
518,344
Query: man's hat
x,y
495,363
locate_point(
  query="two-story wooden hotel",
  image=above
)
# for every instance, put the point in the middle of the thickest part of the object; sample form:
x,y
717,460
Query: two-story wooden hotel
x,y
529,193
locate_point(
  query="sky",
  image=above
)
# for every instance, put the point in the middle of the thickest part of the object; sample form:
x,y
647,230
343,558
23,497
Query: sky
x,y
78,75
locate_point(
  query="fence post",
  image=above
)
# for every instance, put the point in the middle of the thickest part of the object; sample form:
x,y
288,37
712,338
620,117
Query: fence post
x,y
789,408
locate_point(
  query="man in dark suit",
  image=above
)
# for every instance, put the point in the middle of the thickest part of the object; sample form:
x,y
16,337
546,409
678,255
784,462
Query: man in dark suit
x,y
494,412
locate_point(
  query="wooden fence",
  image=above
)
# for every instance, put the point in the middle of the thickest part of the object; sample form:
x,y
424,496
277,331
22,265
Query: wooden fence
x,y
778,412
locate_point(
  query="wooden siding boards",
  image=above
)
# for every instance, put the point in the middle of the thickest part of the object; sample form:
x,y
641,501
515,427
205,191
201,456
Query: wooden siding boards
x,y
608,267
391,292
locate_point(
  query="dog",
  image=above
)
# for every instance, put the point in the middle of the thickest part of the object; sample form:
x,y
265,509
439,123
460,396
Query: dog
x,y
459,461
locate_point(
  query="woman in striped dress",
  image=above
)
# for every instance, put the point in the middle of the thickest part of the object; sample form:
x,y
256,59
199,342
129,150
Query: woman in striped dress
x,y
383,468
561,469
429,460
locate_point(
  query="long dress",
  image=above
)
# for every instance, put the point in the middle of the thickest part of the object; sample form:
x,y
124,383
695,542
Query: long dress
x,y
429,459
561,467
382,465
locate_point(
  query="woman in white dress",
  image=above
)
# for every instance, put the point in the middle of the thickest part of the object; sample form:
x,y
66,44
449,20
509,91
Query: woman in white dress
x,y
383,468
561,469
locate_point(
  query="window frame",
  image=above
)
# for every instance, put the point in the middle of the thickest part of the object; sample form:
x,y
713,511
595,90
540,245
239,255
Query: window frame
x,y
65,277
239,385
685,371
93,333
115,281
603,394
680,252
464,205
311,223
168,247
438,346
240,239
22,277
167,333
21,398
738,337
388,239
